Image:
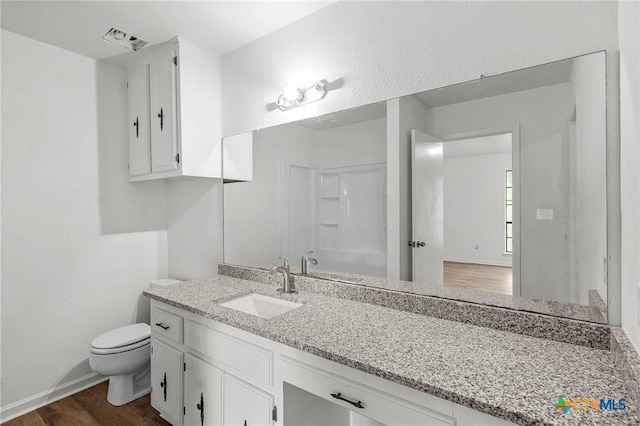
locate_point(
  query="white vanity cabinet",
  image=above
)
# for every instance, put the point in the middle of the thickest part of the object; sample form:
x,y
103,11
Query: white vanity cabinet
x,y
221,379
202,393
232,377
166,379
246,405
174,114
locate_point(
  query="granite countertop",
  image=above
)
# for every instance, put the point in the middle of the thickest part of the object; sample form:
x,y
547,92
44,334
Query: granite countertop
x,y
547,307
508,375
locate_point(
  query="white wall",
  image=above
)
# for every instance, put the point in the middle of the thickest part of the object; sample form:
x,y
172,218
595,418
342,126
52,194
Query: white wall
x,y
403,115
475,183
383,50
255,211
194,227
74,264
542,115
629,33
588,88
359,143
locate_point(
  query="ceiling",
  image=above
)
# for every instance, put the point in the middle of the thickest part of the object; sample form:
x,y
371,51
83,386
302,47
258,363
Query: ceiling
x,y
220,26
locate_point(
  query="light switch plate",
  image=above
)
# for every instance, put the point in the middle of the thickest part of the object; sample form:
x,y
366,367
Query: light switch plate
x,y
544,214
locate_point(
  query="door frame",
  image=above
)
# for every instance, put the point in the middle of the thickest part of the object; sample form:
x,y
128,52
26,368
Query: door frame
x,y
515,166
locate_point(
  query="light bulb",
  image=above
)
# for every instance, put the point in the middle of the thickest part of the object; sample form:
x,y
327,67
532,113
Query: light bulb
x,y
118,35
291,93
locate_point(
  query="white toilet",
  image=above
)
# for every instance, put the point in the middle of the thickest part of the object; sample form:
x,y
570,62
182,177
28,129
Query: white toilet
x,y
124,355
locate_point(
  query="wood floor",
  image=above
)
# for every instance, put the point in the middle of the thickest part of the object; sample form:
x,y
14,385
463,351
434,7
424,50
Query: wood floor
x,y
90,407
494,279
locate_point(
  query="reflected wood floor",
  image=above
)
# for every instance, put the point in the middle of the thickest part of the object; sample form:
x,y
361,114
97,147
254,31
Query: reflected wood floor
x,y
90,407
494,279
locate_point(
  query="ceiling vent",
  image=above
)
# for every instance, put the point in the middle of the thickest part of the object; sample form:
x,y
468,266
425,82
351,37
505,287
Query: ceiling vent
x,y
123,39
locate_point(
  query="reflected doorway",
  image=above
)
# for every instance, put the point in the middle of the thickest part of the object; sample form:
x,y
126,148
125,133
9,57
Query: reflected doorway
x,y
476,193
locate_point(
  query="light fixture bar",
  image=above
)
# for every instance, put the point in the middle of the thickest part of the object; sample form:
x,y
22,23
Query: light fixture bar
x,y
293,97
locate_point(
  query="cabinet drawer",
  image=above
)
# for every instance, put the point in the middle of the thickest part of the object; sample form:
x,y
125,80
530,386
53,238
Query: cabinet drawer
x,y
166,324
366,401
243,359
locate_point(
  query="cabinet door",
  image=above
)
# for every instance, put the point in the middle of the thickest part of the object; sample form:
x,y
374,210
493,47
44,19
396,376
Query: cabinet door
x,y
203,393
138,113
245,405
166,379
163,95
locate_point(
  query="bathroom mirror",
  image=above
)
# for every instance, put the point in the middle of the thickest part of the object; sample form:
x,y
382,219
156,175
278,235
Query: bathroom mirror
x,y
491,191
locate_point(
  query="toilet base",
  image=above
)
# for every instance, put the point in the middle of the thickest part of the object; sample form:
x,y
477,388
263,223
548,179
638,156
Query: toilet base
x,y
124,389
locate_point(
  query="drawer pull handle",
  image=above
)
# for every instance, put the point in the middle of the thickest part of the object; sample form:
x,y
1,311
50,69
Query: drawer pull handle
x,y
162,325
340,397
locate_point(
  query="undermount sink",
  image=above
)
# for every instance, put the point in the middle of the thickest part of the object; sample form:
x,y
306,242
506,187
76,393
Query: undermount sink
x,y
261,306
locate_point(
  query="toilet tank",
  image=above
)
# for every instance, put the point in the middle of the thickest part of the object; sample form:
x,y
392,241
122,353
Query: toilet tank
x,y
161,282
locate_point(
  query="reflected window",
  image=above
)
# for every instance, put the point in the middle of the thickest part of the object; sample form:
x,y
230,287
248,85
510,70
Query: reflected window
x,y
508,197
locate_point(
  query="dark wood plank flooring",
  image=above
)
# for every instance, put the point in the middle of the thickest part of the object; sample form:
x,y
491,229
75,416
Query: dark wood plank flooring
x,y
90,407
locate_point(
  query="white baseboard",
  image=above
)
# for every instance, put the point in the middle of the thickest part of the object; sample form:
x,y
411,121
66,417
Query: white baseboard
x,y
478,262
48,396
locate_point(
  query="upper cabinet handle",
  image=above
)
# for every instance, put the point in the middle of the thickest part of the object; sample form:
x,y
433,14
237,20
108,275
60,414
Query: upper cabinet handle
x,y
136,125
161,117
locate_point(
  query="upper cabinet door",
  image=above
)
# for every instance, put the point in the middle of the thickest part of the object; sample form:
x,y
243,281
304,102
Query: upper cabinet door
x,y
138,113
164,140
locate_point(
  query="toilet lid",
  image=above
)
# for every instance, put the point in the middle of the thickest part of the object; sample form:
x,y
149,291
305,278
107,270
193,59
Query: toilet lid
x,y
123,336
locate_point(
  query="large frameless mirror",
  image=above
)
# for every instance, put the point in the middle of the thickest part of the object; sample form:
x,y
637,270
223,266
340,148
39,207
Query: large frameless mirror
x,y
491,191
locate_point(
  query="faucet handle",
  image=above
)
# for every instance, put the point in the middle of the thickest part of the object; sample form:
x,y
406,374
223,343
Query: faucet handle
x,y
286,261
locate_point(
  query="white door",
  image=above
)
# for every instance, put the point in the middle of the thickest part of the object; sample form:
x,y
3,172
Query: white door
x,y
166,379
427,209
245,405
202,393
164,140
138,113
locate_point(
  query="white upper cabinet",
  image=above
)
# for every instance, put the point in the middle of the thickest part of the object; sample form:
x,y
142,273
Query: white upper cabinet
x,y
174,114
162,91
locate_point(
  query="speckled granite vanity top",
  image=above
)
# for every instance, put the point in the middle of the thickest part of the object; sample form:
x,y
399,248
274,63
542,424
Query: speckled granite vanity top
x,y
508,375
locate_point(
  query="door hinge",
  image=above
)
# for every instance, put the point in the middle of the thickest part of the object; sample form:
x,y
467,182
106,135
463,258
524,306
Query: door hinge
x,y
184,366
184,410
274,413
177,157
175,60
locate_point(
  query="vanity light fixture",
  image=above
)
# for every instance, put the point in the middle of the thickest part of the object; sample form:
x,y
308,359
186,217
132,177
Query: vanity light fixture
x,y
292,97
123,39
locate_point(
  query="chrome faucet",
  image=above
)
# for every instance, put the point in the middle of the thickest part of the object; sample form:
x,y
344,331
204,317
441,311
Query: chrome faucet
x,y
286,273
306,261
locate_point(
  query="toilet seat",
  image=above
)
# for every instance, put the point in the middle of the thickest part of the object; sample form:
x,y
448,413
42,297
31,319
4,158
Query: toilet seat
x,y
122,339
